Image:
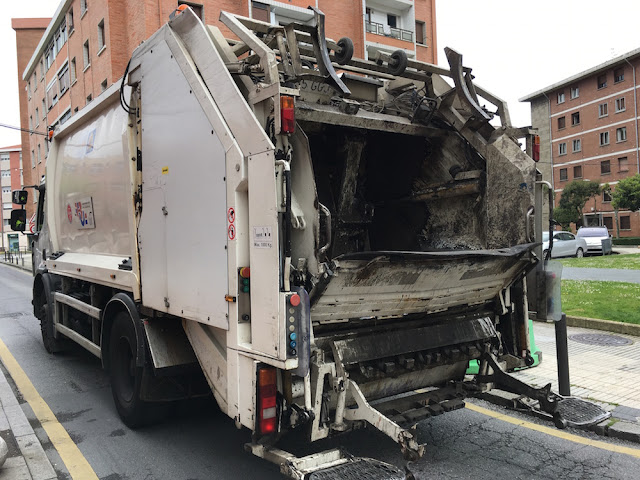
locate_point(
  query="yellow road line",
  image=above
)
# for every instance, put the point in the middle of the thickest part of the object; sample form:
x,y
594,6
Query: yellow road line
x,y
554,432
76,464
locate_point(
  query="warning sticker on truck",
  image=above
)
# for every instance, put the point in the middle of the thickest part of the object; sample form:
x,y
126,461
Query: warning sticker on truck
x,y
262,237
80,212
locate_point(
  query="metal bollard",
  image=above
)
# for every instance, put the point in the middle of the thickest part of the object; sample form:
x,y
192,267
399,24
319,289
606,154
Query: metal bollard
x,y
562,354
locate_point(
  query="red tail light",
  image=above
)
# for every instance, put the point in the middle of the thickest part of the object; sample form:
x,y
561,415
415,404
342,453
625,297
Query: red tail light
x,y
287,114
267,391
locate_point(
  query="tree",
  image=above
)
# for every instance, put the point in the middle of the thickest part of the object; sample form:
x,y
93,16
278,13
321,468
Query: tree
x,y
574,196
627,194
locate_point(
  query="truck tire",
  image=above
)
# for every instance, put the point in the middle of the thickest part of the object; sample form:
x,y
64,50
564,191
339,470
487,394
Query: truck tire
x,y
346,51
126,376
579,253
398,63
50,342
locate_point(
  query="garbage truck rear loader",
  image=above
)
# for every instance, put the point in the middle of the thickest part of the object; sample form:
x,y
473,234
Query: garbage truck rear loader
x,y
306,241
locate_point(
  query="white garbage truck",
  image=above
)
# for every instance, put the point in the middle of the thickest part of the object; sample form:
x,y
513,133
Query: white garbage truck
x,y
323,242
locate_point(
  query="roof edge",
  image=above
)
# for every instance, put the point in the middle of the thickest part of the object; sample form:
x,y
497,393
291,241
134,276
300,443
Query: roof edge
x,y
585,73
30,23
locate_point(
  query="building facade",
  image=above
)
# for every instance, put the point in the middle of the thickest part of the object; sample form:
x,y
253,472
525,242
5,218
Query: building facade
x,y
10,179
588,127
87,44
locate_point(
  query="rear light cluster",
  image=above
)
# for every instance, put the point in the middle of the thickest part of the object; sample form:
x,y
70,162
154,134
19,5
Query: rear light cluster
x,y
267,405
287,114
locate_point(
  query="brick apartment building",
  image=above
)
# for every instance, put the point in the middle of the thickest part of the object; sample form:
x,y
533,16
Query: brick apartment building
x,y
87,44
10,179
588,127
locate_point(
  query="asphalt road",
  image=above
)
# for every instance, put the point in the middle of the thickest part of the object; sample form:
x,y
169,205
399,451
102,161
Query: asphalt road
x,y
196,441
602,274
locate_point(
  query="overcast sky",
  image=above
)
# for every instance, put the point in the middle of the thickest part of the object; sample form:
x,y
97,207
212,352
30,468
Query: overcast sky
x,y
514,47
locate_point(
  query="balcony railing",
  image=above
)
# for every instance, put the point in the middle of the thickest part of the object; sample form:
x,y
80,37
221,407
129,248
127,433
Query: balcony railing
x,y
399,33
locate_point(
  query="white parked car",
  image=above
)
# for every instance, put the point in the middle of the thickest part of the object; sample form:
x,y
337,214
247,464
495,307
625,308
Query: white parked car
x,y
598,239
565,244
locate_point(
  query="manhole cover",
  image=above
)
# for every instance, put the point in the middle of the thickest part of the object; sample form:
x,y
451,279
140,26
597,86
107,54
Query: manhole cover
x,y
600,339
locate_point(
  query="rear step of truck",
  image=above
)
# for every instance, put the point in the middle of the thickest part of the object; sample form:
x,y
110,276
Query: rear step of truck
x,y
328,465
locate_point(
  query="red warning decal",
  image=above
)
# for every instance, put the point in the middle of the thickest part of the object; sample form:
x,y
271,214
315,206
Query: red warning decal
x,y
69,216
231,215
231,231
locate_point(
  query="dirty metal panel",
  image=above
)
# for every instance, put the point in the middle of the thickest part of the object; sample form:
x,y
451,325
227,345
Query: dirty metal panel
x,y
398,342
393,284
168,344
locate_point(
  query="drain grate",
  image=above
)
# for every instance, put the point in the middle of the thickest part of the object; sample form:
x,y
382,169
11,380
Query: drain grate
x,y
13,315
578,413
601,339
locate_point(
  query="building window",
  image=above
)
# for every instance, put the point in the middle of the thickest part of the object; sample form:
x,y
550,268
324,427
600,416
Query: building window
x,y
30,124
83,7
575,92
101,42
39,153
623,164
29,89
620,106
37,117
618,75
89,98
606,197
602,81
608,222
605,167
42,69
421,33
52,93
85,54
561,123
44,110
63,78
197,9
70,20
73,70
33,159
577,171
621,134
575,118
560,97
562,149
603,110
563,175
577,145
625,222
604,138
260,11
35,82
103,85
66,116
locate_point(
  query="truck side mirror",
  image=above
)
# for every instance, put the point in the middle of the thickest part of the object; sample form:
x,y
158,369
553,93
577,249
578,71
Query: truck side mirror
x,y
19,197
18,220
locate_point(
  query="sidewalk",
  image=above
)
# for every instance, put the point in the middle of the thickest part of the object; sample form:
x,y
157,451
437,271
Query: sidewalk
x,y
607,373
26,458
23,263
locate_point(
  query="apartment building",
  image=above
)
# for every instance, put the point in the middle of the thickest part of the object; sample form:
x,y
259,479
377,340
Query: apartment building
x,y
588,127
87,44
10,179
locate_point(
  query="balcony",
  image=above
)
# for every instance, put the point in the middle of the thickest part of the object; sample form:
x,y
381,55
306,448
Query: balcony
x,y
393,32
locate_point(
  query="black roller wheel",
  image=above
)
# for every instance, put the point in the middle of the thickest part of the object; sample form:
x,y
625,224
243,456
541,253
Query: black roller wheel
x,y
345,53
126,376
398,63
51,343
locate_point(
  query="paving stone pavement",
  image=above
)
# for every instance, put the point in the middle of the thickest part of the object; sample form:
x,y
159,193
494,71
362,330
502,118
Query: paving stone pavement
x,y
610,375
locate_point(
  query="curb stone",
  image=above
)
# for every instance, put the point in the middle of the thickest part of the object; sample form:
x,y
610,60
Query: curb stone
x,y
604,325
625,431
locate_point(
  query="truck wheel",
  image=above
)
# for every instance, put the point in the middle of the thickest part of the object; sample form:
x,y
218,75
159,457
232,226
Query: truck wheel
x,y
579,253
398,63
51,344
346,50
126,377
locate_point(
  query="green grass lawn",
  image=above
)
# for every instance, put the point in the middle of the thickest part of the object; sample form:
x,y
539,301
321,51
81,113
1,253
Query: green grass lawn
x,y
616,301
627,262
